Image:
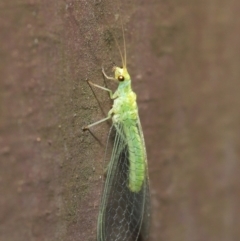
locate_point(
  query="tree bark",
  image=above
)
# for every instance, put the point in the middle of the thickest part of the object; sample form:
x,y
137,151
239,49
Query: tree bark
x,y
183,57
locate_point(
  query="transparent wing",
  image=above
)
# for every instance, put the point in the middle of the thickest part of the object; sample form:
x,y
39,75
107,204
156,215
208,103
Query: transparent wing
x,y
124,215
145,228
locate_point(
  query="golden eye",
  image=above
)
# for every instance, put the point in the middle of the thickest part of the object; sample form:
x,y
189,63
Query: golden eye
x,y
121,78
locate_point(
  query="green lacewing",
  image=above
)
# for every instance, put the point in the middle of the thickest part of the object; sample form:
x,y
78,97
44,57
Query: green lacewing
x,y
124,213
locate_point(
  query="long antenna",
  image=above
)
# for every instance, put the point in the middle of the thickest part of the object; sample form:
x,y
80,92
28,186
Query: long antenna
x,y
124,45
119,49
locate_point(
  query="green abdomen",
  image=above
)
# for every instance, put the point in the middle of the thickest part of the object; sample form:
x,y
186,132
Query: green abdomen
x,y
136,156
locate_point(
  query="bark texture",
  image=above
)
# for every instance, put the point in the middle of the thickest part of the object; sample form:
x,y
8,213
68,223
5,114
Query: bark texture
x,y
183,57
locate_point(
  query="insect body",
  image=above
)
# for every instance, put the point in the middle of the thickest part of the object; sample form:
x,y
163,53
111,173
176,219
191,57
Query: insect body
x,y
124,211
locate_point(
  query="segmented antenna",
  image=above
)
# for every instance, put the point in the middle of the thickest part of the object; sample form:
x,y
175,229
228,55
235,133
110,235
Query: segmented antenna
x,y
124,45
123,57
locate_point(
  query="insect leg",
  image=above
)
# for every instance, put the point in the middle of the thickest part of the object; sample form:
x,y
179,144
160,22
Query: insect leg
x,y
106,76
102,88
98,122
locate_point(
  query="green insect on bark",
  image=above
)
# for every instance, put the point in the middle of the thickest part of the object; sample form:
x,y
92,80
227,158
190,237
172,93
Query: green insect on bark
x,y
124,211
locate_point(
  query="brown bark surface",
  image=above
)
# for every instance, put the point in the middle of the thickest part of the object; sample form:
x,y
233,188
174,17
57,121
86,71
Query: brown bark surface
x,y
183,57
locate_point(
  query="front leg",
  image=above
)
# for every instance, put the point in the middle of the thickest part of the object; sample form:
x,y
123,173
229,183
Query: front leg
x,y
102,88
106,76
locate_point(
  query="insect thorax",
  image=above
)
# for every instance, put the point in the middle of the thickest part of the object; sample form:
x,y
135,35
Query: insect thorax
x,y
125,107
